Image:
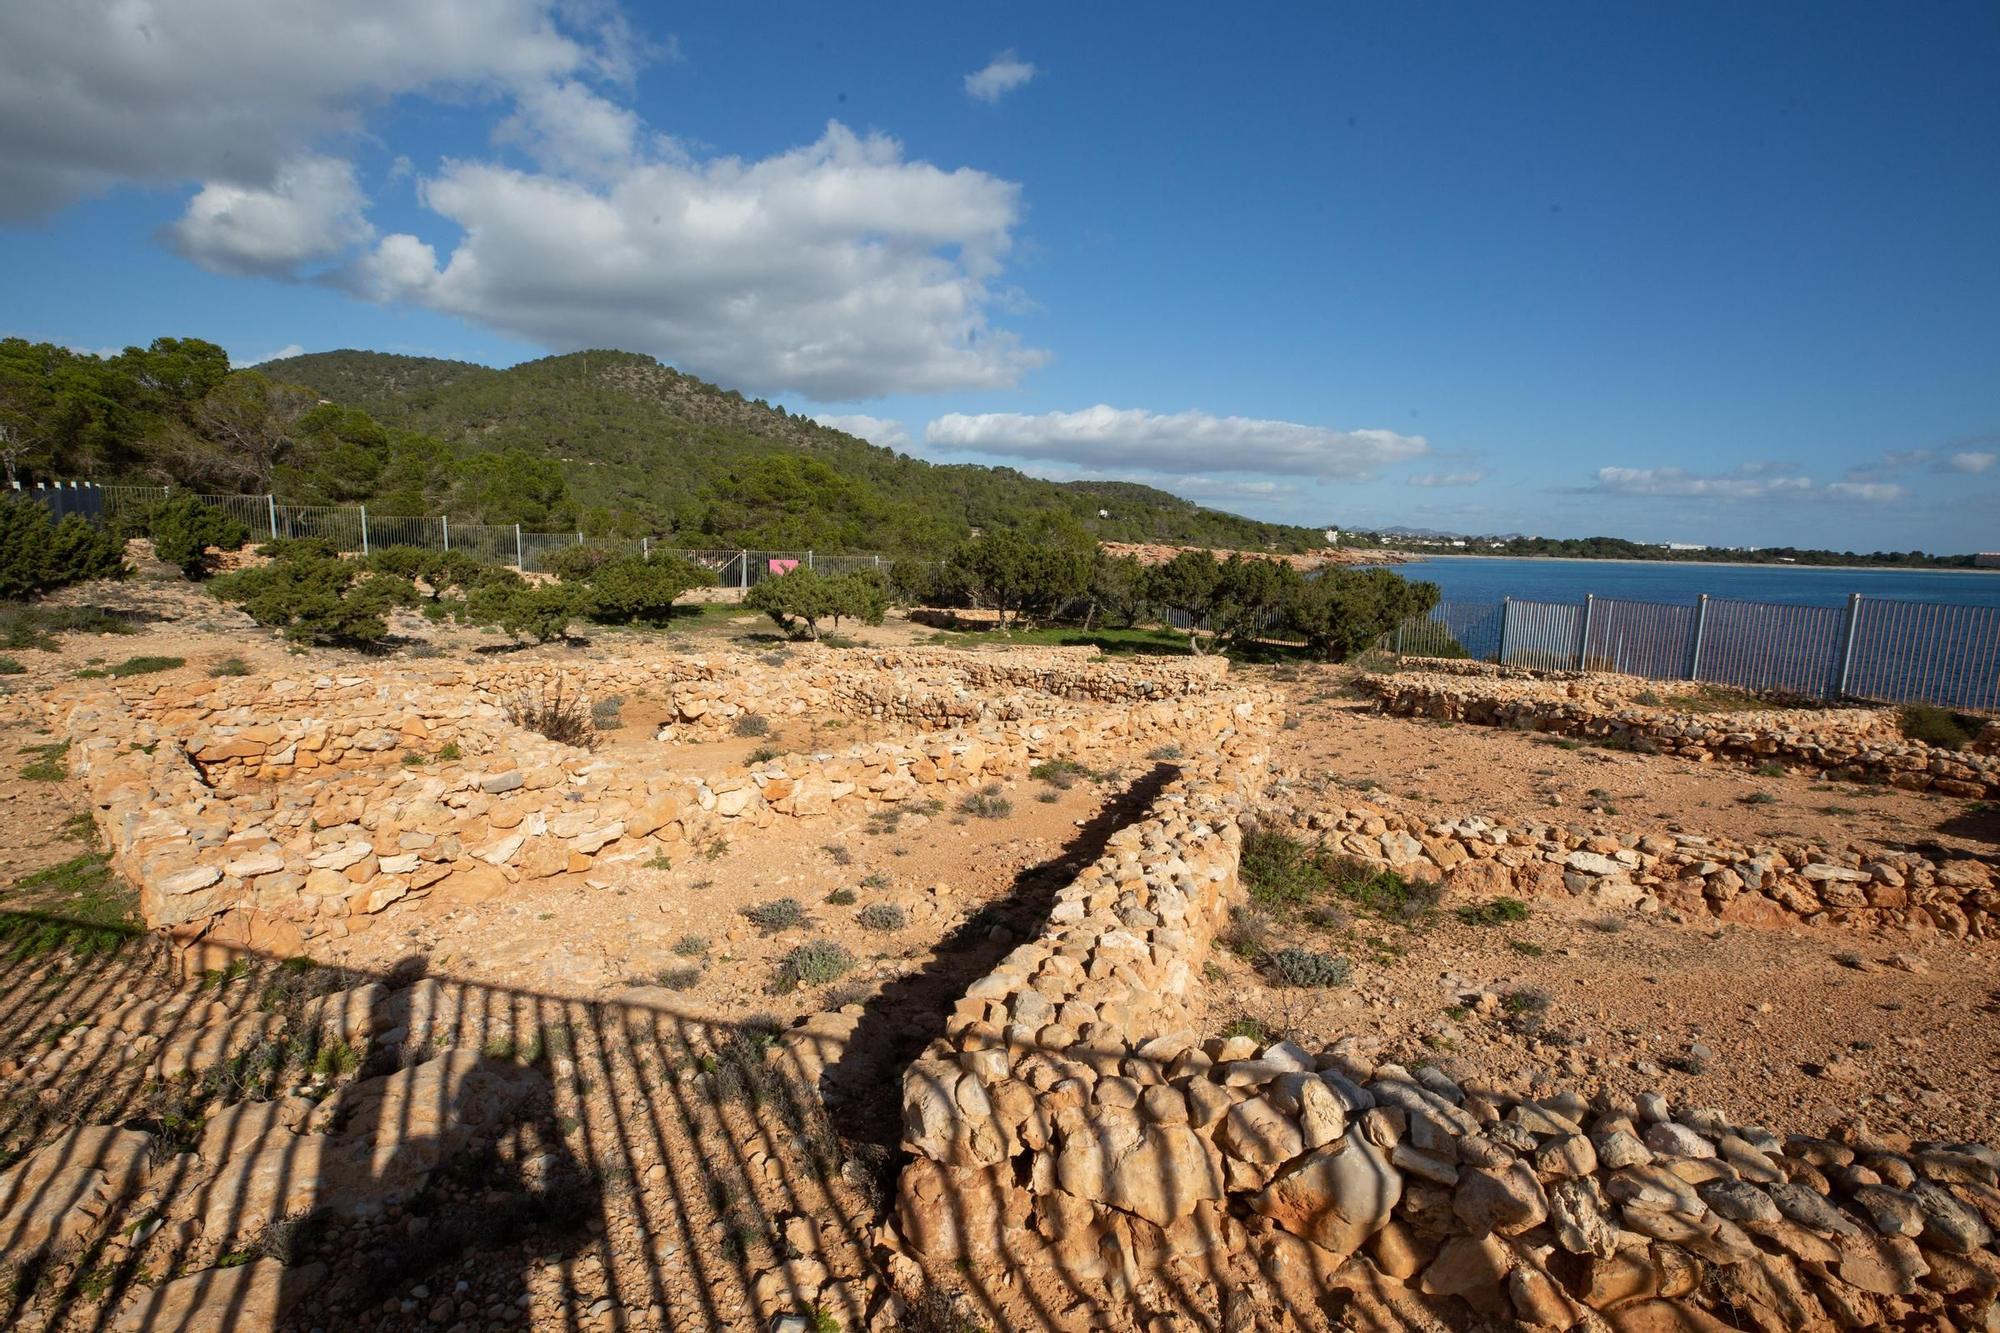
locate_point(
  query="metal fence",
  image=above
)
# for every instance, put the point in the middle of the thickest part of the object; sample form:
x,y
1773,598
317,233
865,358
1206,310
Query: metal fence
x,y
354,528
1874,648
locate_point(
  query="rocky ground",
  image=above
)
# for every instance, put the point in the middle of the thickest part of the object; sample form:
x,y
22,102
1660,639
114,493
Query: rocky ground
x,y
574,1117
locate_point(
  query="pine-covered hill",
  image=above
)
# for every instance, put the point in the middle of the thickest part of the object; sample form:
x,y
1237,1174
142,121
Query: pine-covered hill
x,y
655,450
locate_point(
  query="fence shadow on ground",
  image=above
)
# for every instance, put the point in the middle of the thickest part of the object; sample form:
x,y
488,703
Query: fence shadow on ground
x,y
571,1161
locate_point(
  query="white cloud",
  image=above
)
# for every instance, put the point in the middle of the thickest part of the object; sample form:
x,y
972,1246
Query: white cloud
x,y
288,350
1002,75
1447,479
840,270
1752,481
1971,460
312,211
1167,443
98,92
876,430
567,127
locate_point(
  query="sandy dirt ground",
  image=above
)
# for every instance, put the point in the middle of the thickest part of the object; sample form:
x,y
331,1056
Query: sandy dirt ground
x,y
701,1182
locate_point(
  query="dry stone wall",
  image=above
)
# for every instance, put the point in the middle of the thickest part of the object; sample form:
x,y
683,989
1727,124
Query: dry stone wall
x,y
1862,744
283,804
1069,1118
1857,885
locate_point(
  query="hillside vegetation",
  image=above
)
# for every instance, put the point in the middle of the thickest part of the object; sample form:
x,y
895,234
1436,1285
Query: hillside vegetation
x,y
611,442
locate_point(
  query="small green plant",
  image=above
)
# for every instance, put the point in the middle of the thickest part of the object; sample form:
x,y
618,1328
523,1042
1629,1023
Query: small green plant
x,y
1839,811
1163,753
1771,770
776,915
752,724
1308,968
50,766
660,861
1248,933
605,713
875,879
133,666
685,977
763,754
882,916
691,946
1494,912
1526,1002
841,898
11,666
1255,1029
823,1320
814,963
1760,798
411,759
1059,773
449,753
551,709
1935,726
1649,698
230,666
336,1060
987,803
1526,948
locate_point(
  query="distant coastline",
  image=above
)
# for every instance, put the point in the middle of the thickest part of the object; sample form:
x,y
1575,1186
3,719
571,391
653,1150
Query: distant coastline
x,y
1411,557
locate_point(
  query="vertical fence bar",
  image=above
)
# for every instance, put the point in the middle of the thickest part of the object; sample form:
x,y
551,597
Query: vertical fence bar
x,y
743,569
1847,646
271,511
520,561
445,521
364,530
1583,639
1506,615
1694,639
645,548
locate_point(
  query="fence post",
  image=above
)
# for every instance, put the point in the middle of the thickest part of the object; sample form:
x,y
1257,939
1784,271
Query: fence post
x,y
1694,643
1583,639
1399,634
809,557
646,548
364,530
743,569
1847,645
579,536
445,520
271,507
519,562
1506,615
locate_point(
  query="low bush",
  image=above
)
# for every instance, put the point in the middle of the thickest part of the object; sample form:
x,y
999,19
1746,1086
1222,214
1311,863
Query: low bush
x,y
798,600
184,528
691,946
1309,968
39,554
776,915
1493,912
314,596
134,666
25,626
681,978
752,724
551,709
11,666
882,916
1934,726
987,803
545,611
814,963
230,666
842,898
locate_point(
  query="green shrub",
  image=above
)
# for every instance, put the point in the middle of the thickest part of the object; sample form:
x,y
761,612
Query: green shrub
x,y
681,978
1280,870
11,666
230,666
628,588
184,527
776,915
814,963
1308,967
134,666
545,611
691,946
1934,726
38,554
799,600
987,803
1494,912
314,596
841,898
752,724
882,916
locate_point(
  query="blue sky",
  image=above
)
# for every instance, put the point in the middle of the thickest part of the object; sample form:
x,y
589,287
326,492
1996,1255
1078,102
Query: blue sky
x,y
1700,273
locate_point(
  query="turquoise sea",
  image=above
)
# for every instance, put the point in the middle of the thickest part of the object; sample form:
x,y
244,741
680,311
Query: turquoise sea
x,y
1488,579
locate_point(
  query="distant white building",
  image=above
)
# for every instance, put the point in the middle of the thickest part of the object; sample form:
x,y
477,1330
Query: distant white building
x,y
1333,536
1685,546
